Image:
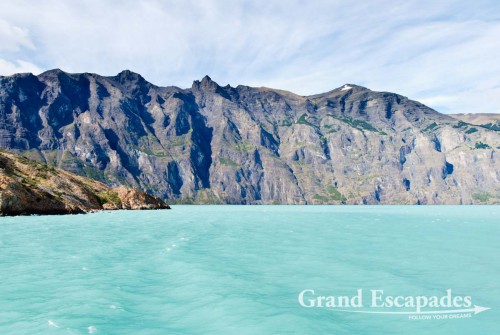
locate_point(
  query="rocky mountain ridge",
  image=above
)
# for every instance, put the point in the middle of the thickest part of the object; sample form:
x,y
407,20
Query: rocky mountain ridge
x,y
28,187
247,145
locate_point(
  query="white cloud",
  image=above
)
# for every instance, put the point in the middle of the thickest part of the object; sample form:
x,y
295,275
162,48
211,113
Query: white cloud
x,y
13,38
19,66
422,49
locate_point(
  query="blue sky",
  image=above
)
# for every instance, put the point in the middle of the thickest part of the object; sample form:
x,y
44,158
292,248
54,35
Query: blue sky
x,y
445,54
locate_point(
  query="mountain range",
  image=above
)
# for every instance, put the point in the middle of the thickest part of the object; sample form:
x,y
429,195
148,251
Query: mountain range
x,y
248,145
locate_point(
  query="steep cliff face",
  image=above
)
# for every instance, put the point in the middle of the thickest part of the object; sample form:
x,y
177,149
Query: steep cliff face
x,y
213,144
28,187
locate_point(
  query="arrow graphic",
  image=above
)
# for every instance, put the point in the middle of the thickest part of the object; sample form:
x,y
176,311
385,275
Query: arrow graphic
x,y
476,310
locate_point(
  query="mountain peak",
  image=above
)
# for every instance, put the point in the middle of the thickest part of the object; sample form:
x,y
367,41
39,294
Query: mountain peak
x,y
131,80
53,72
206,83
206,79
56,70
22,75
128,75
349,87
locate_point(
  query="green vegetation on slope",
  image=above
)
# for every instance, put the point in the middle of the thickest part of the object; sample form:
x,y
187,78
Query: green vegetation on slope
x,y
333,195
471,131
303,120
358,124
481,145
109,197
483,197
461,124
228,162
491,126
431,127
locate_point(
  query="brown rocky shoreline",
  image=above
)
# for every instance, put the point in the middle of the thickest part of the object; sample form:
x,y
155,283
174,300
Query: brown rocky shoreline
x,y
28,188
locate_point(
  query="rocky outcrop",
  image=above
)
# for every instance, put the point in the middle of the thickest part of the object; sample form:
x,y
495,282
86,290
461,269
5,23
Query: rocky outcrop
x,y
247,145
28,187
138,200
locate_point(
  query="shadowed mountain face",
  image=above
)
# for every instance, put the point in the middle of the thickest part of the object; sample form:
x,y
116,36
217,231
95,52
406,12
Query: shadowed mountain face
x,y
213,144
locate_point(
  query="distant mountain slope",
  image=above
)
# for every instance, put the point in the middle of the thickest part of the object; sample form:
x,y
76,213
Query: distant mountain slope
x,y
214,144
28,187
488,121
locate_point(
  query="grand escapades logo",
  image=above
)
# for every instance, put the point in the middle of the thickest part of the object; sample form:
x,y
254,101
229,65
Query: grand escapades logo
x,y
421,307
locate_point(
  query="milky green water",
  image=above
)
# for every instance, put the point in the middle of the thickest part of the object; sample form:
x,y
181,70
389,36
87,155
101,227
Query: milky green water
x,y
240,269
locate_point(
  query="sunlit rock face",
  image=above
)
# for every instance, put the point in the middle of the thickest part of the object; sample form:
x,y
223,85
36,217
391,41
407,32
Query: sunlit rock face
x,y
28,187
246,145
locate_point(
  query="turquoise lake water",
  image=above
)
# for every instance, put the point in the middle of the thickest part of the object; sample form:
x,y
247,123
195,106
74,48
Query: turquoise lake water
x,y
239,269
